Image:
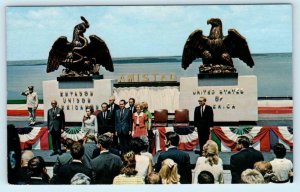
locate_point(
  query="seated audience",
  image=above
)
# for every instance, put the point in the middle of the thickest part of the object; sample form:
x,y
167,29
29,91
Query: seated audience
x,y
13,154
265,168
24,176
210,162
252,176
145,148
143,163
244,159
153,178
37,171
112,150
89,146
63,159
67,171
282,167
128,173
181,158
169,172
105,166
206,177
80,179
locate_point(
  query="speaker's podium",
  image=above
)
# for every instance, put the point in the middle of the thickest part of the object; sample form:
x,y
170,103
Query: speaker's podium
x,y
232,97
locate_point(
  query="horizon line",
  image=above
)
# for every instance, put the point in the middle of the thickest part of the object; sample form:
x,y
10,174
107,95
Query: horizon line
x,y
149,56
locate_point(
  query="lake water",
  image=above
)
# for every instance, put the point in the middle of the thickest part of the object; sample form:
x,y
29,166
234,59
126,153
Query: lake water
x,y
273,71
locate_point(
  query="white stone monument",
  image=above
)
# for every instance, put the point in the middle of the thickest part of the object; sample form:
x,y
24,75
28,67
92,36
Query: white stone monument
x,y
73,96
231,102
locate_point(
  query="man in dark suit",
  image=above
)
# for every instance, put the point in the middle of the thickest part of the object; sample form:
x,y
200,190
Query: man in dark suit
x,y
181,158
67,171
37,168
56,125
104,119
131,103
203,120
107,165
113,107
244,159
63,159
123,126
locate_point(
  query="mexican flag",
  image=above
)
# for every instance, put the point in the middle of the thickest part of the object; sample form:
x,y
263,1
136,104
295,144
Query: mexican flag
x,y
225,137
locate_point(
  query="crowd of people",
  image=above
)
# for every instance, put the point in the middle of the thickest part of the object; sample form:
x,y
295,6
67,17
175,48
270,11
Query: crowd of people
x,y
115,150
100,163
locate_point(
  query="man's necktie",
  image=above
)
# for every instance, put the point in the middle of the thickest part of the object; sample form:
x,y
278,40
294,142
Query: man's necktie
x,y
122,113
201,111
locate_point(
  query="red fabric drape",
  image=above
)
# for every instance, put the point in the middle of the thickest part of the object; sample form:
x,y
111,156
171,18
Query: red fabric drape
x,y
28,143
263,136
276,131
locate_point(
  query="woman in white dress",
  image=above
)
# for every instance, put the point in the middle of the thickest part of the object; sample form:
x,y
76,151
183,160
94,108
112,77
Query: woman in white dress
x,y
211,162
89,123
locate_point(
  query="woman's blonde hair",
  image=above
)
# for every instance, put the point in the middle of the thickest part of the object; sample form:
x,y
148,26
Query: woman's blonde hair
x,y
144,105
211,152
169,172
139,104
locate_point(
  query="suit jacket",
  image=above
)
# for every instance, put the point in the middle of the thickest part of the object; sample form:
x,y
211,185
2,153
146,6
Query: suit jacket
x,y
105,125
207,119
106,167
243,160
114,151
67,172
55,119
113,112
183,163
132,111
61,160
123,125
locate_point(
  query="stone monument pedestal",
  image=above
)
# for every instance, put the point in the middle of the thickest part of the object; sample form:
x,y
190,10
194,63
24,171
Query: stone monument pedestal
x,y
74,96
233,99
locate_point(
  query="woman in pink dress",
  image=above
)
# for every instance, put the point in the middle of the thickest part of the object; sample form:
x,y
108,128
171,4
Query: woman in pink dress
x,y
139,119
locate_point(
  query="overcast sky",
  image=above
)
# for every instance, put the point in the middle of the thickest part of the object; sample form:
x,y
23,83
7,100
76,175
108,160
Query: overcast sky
x,y
135,31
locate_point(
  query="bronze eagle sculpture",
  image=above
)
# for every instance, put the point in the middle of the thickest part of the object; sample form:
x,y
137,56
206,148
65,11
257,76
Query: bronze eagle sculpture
x,y
216,50
79,57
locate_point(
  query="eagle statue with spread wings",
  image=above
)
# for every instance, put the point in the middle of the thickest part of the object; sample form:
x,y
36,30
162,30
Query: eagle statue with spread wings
x,y
79,57
216,50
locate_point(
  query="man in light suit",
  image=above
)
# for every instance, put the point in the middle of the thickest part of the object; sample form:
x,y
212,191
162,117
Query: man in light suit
x,y
203,120
107,165
56,125
123,126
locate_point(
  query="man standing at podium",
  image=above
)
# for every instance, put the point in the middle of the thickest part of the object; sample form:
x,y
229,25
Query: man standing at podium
x,y
203,120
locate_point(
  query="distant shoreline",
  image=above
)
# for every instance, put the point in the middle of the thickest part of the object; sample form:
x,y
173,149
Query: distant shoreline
x,y
126,60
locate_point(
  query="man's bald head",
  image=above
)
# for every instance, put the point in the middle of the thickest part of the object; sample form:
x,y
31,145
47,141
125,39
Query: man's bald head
x,y
26,156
